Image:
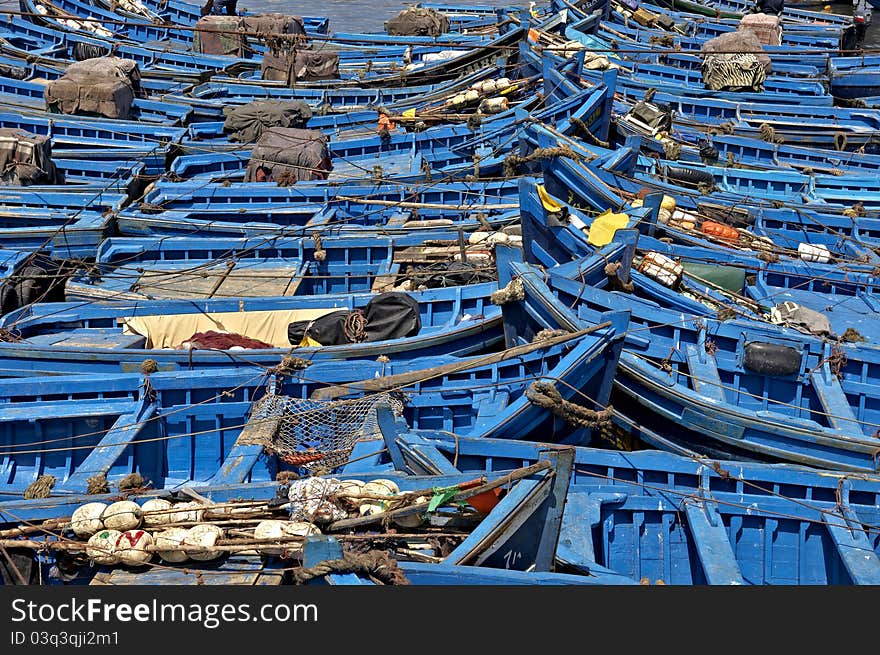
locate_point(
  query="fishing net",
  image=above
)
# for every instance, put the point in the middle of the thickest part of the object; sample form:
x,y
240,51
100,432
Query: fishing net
x,y
318,433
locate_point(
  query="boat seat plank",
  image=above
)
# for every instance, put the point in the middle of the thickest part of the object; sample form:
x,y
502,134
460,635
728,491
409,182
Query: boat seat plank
x,y
110,448
855,549
245,451
713,546
66,409
88,338
706,379
834,401
234,570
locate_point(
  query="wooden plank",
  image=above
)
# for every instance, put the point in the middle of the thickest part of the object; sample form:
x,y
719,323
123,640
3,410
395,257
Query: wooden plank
x,y
123,433
245,451
854,547
414,377
244,570
834,400
704,372
712,543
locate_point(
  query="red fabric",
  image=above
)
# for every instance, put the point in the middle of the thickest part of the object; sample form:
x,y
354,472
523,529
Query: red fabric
x,y
221,341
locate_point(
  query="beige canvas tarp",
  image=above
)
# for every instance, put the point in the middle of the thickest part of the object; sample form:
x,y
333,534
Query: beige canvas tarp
x,y
267,326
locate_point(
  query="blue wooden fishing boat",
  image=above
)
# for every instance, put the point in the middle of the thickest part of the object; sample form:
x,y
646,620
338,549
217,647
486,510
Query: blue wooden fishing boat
x,y
720,506
72,337
528,516
187,267
184,427
801,412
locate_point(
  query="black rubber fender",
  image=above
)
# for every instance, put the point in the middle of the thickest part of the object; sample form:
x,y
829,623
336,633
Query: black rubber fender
x,y
689,176
772,359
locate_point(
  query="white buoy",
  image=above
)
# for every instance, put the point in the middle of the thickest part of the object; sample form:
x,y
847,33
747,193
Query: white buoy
x,y
204,535
380,487
101,547
155,512
661,268
814,253
348,490
86,520
311,500
124,515
131,547
169,541
412,520
274,529
187,513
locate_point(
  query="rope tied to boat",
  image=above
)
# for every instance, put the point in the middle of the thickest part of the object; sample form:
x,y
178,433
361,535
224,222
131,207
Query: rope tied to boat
x,y
851,335
97,484
581,127
612,270
856,211
513,161
547,396
672,150
149,366
40,488
320,254
133,482
9,336
547,333
726,314
474,121
769,257
288,365
768,133
374,563
727,127
840,141
355,326
512,292
425,168
667,40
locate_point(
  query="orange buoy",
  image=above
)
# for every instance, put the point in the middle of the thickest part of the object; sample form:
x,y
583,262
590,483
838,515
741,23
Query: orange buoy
x,y
719,231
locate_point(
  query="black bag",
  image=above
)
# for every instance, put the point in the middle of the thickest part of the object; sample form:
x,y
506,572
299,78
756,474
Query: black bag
x,y
392,315
328,330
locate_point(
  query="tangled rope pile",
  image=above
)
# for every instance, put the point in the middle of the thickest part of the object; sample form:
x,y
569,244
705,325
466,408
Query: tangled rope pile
x,y
612,270
513,161
768,133
547,396
513,292
40,488
374,563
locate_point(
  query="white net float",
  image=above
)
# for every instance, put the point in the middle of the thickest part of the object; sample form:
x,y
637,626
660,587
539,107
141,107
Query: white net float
x,y
274,529
124,515
380,487
494,105
86,520
169,541
311,500
131,547
206,536
101,547
187,513
814,253
348,492
661,268
412,520
156,512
